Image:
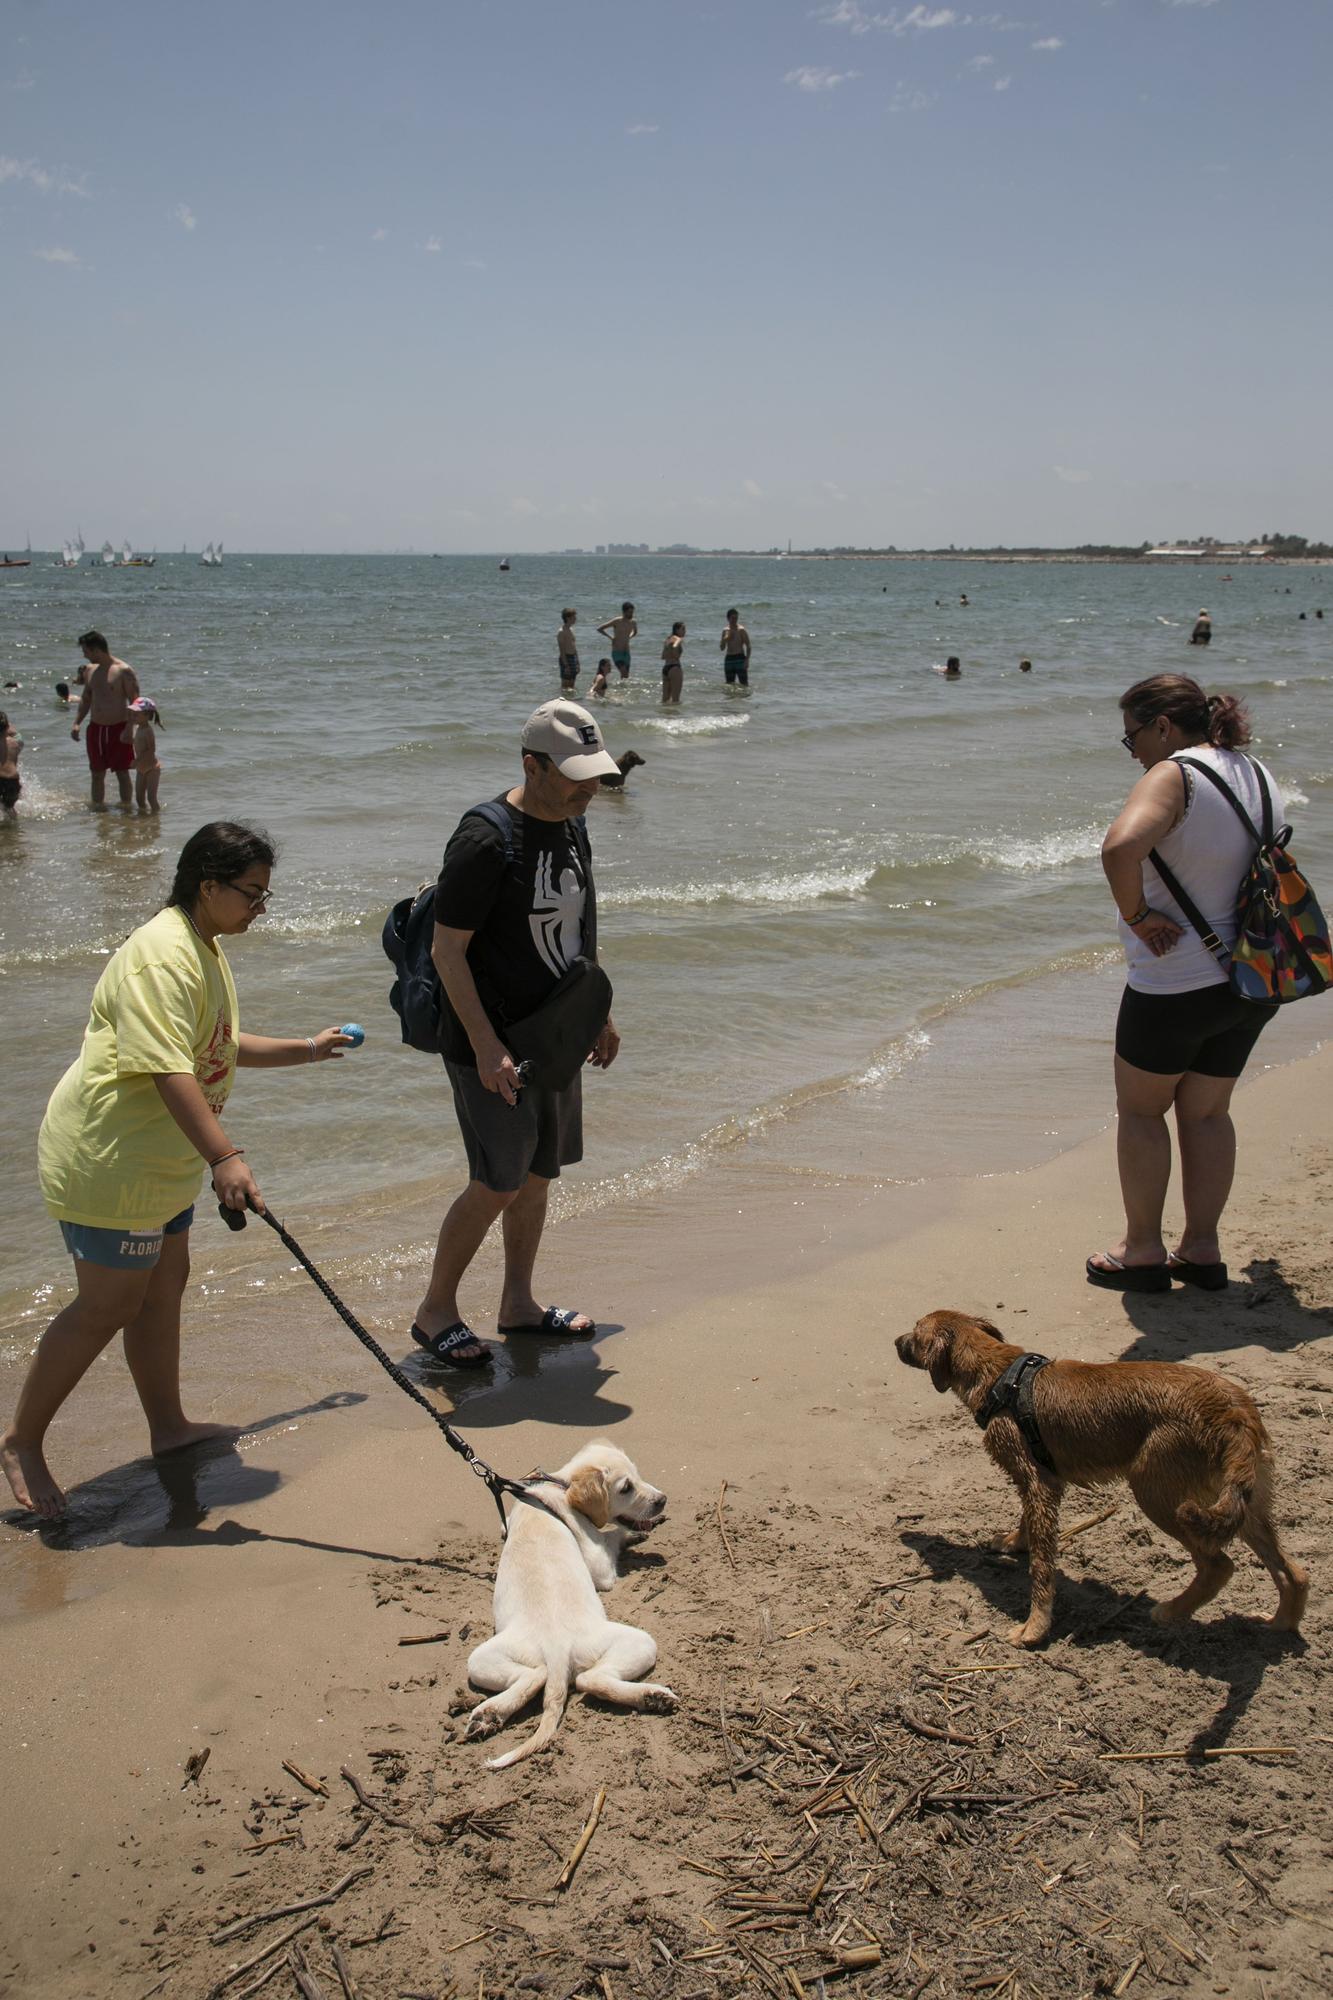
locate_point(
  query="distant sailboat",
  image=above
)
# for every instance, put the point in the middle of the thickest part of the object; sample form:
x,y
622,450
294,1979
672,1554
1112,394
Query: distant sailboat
x,y
108,554
69,556
212,557
504,562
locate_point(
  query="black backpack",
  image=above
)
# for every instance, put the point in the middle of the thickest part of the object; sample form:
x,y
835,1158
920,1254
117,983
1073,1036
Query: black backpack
x,y
416,996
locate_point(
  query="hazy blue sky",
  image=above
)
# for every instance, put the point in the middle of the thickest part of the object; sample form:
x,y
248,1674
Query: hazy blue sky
x,y
508,274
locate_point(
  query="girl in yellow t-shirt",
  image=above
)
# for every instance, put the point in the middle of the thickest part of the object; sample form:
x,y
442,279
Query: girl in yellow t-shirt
x,y
127,1133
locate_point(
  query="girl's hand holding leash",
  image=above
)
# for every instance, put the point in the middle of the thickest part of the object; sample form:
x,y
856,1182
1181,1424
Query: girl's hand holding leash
x,y
234,1184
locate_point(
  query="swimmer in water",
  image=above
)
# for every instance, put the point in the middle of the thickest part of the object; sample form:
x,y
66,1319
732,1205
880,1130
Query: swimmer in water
x,y
952,668
1025,666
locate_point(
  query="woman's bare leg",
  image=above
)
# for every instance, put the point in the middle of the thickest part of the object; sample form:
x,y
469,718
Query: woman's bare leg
x,y
153,1352
1207,1160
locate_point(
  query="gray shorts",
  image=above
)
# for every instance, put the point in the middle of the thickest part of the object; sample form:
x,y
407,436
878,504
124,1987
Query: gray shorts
x,y
506,1142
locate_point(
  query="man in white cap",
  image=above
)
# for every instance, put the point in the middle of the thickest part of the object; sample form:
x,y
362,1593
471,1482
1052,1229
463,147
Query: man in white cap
x,y
513,910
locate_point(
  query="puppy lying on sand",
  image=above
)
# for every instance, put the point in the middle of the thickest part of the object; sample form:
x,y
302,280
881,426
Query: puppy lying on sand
x,y
1190,1444
550,1628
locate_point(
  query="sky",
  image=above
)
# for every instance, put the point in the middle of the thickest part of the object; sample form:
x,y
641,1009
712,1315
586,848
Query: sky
x,y
528,274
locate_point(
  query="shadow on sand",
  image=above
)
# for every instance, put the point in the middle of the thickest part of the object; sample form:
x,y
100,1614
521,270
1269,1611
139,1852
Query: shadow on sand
x,y
530,1380
1261,1311
1230,1651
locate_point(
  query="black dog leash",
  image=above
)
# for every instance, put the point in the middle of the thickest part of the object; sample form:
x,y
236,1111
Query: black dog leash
x,y
496,1482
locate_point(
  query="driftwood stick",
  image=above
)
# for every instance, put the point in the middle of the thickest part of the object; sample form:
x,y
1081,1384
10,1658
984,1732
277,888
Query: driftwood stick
x,y
315,1785
249,1964
290,1909
344,1972
919,1728
301,1973
1229,1750
581,1845
273,1840
722,1526
363,1798
1092,1521
278,1965
423,1638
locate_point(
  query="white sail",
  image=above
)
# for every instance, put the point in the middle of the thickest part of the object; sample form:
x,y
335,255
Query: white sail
x,y
206,558
79,544
126,553
217,554
108,553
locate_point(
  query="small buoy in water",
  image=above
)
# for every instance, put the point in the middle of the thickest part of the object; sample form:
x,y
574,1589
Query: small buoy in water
x,y
354,1033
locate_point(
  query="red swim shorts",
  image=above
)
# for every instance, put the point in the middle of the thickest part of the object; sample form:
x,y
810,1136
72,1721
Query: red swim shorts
x,y
107,748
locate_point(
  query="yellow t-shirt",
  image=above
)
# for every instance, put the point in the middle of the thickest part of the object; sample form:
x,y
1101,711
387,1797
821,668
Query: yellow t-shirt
x,y
109,1153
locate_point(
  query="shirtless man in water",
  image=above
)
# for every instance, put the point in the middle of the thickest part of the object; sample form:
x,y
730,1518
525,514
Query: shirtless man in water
x,y
735,650
109,689
620,631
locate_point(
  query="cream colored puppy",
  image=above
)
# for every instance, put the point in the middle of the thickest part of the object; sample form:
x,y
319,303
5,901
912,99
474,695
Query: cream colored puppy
x,y
550,1628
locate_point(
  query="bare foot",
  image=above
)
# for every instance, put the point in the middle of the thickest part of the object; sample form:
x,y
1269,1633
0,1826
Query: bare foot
x,y
30,1479
184,1435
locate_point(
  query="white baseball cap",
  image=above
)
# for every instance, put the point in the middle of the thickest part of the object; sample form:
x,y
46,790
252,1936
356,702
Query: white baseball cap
x,y
569,736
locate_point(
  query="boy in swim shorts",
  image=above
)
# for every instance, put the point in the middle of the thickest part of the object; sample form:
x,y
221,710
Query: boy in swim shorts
x,y
568,649
620,631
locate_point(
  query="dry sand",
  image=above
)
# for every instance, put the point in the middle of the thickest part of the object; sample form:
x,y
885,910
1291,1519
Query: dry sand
x,y
863,1784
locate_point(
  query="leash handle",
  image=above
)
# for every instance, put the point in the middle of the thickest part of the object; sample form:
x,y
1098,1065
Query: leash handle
x,y
496,1482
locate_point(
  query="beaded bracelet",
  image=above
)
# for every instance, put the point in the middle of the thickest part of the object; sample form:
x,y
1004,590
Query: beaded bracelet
x,y
310,1044
1142,912
236,1153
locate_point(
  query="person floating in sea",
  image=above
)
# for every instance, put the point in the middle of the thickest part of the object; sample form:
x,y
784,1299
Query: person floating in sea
x,y
1202,635
107,693
567,646
1025,666
673,673
11,745
620,631
962,597
952,668
734,647
602,677
147,769
64,697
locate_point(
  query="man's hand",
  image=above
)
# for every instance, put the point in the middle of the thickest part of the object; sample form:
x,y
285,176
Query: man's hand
x,y
495,1067
74,732
606,1048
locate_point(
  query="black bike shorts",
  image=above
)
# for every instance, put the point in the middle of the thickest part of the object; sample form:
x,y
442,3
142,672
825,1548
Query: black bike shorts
x,y
1209,1030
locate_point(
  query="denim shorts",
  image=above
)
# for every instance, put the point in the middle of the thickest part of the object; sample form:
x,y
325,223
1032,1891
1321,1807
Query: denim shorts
x,y
122,1249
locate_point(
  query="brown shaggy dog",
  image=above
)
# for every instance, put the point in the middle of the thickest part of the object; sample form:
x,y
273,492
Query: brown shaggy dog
x,y
1190,1444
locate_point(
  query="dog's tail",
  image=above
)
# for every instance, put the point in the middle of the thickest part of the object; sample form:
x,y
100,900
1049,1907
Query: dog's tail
x,y
553,1710
1244,1455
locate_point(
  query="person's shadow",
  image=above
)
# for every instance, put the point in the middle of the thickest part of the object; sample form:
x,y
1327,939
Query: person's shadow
x,y
529,1379
1263,1311
157,1502
1232,1650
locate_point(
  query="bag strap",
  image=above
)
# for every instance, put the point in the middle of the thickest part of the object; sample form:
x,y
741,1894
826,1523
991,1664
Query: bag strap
x,y
1212,941
578,833
1260,840
500,818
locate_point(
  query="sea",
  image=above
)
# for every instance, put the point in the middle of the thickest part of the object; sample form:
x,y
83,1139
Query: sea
x,y
854,916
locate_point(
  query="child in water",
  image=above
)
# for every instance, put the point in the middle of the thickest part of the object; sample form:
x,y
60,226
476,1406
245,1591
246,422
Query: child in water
x,y
147,769
673,674
11,744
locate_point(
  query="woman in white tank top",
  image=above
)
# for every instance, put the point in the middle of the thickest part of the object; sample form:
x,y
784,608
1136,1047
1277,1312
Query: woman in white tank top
x,y
1182,1037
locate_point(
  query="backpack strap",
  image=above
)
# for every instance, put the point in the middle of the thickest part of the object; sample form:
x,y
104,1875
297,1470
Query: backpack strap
x,y
578,833
500,818
1260,840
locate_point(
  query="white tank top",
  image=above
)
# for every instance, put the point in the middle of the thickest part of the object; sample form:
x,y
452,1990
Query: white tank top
x,y
1207,852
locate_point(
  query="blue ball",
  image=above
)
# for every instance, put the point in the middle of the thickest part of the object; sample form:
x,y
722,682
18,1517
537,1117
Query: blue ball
x,y
354,1033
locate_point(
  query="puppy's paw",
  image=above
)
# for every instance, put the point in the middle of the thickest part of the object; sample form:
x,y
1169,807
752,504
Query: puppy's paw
x,y
1034,1633
1170,1613
482,1722
658,1700
1012,1544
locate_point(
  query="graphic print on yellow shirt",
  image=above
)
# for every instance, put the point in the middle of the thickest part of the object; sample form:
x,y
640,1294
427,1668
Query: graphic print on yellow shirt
x,y
109,1152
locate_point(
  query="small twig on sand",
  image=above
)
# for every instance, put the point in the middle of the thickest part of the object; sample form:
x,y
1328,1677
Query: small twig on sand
x,y
423,1638
278,1965
273,1840
363,1798
1228,1750
248,1964
581,1845
301,1973
726,1741
1092,1521
290,1909
315,1785
344,1972
722,1526
1122,1984
938,1735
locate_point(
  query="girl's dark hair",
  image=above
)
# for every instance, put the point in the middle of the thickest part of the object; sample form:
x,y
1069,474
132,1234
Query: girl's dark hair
x,y
1220,719
219,852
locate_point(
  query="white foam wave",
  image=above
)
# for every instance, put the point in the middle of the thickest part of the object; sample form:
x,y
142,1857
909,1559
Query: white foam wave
x,y
893,1061
1048,850
768,889
691,725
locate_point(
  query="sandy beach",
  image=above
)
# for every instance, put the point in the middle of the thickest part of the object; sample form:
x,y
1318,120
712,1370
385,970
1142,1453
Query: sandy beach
x,y
859,1765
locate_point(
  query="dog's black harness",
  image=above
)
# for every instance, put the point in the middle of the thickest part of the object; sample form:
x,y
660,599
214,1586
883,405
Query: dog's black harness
x,y
1011,1396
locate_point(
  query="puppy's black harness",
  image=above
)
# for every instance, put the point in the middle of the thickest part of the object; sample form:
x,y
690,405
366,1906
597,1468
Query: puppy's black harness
x,y
1011,1396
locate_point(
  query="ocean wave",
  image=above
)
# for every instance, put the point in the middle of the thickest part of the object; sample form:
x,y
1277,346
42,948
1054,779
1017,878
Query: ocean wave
x,y
1047,850
690,725
808,887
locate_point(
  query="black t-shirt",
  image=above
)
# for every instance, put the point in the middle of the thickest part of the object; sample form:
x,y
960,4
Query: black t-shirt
x,y
527,919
